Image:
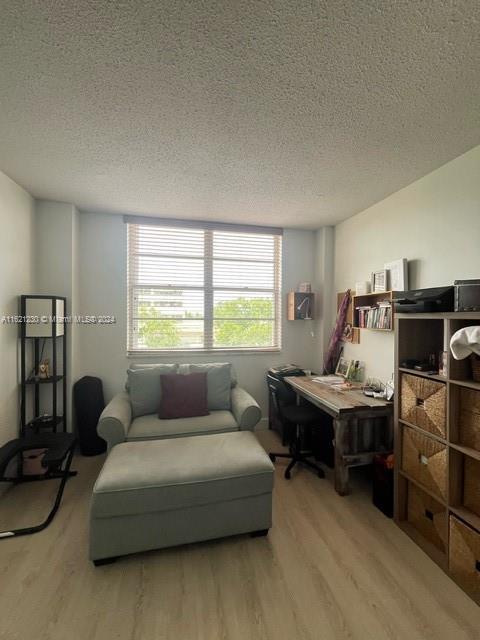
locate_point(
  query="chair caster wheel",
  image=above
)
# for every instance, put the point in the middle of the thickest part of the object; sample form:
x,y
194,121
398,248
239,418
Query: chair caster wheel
x,y
272,457
287,475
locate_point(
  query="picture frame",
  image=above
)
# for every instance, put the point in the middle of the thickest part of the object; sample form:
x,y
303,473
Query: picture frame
x,y
343,367
356,371
379,281
397,274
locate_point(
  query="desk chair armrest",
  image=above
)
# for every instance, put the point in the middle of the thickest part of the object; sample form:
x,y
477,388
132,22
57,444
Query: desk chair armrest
x,y
245,409
115,420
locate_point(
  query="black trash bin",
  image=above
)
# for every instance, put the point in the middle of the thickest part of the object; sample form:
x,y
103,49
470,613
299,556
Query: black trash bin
x,y
383,483
89,404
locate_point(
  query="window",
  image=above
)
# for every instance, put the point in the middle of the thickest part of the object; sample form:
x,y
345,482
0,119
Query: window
x,y
200,286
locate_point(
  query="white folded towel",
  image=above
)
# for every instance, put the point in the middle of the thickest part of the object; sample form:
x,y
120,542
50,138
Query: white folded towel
x,y
465,342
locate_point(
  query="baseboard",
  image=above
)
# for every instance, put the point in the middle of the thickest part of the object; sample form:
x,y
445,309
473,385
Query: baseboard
x,y
262,425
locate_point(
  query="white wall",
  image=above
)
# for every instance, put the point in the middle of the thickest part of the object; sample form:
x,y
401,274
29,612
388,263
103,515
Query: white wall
x,y
324,281
434,222
56,273
17,249
102,269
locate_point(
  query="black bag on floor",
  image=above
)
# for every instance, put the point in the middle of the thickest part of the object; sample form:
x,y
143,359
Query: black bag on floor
x,y
89,404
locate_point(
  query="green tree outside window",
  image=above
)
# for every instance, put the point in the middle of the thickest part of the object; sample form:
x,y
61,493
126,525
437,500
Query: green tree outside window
x,y
238,322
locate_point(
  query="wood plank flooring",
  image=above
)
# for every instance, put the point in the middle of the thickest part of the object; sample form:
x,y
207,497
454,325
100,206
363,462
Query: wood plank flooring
x,y
331,568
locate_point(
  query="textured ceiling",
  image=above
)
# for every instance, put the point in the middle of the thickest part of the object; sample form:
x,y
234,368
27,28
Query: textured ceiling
x,y
292,113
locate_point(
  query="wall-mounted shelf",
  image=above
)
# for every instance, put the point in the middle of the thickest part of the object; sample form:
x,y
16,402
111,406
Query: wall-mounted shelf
x,y
370,312
300,306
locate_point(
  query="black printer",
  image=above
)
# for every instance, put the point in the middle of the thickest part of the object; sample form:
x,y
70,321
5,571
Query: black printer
x,y
431,300
284,370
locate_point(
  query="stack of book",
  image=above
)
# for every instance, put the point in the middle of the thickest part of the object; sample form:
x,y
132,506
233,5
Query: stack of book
x,y
376,317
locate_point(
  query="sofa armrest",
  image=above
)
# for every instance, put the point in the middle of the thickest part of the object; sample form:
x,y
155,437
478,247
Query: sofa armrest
x,y
245,409
115,420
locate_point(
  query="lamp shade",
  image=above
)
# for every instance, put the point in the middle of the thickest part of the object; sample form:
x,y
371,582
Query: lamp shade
x,y
44,316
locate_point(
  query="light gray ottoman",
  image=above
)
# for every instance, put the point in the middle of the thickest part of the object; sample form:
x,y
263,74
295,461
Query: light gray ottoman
x,y
159,493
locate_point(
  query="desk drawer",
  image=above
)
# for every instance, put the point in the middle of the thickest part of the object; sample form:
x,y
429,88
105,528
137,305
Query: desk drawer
x,y
464,557
423,403
425,460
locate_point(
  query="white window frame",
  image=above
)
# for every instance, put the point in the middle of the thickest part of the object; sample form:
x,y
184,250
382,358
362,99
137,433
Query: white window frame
x,y
208,287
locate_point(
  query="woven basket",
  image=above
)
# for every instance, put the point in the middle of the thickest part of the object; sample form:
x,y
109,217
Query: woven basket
x,y
425,460
423,403
469,418
464,556
428,517
471,485
475,362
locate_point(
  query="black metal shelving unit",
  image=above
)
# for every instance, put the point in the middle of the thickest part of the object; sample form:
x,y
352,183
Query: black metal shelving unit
x,y
34,336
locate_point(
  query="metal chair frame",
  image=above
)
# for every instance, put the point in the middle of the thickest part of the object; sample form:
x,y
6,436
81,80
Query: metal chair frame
x,y
57,461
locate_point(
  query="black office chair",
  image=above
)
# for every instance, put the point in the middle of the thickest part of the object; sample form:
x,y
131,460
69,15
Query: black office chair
x,y
297,415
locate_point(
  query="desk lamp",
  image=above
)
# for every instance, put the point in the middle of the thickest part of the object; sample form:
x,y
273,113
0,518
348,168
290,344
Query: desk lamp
x,y
305,302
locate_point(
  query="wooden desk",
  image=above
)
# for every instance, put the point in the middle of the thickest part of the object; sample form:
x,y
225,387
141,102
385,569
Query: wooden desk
x,y
363,426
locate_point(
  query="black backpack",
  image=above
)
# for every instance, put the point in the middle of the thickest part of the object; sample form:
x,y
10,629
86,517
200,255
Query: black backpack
x,y
89,404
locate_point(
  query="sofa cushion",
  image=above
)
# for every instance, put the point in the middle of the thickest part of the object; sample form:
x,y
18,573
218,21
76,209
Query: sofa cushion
x,y
183,368
152,428
219,382
183,396
144,388
134,366
186,368
143,477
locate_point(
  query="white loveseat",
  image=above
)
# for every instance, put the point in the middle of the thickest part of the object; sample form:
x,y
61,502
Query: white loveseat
x,y
133,414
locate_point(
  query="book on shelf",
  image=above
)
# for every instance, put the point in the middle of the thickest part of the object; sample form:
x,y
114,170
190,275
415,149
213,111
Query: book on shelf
x,y
378,316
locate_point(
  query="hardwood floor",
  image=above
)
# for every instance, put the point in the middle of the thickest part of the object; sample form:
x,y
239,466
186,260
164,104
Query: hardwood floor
x,y
331,567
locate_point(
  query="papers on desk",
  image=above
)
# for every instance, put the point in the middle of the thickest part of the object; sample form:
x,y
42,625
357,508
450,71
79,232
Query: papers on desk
x,y
332,381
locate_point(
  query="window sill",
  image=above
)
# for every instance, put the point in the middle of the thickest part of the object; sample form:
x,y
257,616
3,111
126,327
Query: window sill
x,y
201,352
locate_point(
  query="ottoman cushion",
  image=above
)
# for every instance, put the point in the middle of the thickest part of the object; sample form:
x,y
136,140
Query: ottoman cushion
x,y
162,475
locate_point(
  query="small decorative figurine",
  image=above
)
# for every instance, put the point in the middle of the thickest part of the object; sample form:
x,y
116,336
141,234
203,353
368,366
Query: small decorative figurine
x,y
44,369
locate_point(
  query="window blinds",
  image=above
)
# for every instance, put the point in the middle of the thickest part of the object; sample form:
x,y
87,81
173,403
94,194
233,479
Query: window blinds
x,y
211,287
